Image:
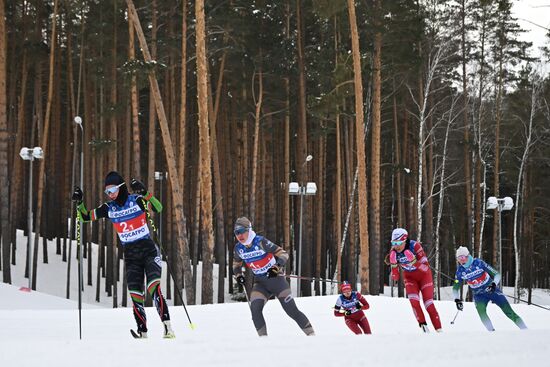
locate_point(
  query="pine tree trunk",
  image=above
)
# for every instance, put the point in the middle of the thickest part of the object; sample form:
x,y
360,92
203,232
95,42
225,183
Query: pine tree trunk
x,y
44,145
4,184
361,158
170,157
376,249
206,159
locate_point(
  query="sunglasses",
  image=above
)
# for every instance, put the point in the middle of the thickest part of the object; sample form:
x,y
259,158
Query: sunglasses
x,y
397,243
240,230
462,257
112,190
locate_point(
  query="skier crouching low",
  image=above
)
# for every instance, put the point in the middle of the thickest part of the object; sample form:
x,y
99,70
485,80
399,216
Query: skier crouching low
x,y
351,304
267,261
127,212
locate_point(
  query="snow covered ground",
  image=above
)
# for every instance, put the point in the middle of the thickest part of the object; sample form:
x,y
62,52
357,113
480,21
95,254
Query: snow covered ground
x,y
38,329
42,329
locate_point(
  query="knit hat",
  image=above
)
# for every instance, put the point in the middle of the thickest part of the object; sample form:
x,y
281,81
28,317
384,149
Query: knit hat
x,y
242,222
345,287
399,234
462,251
113,178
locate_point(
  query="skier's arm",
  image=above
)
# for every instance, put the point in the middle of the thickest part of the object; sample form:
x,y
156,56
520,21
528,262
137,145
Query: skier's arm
x,y
149,201
422,259
338,311
155,203
281,255
420,254
456,288
237,262
364,304
88,216
492,272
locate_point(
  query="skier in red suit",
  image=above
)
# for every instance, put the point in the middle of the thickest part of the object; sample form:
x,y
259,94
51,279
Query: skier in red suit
x,y
351,304
409,255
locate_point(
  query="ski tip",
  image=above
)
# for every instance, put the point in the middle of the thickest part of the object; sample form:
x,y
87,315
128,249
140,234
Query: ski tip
x,y
192,326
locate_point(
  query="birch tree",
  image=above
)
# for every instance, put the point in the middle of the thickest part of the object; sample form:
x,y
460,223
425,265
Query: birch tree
x,y
529,141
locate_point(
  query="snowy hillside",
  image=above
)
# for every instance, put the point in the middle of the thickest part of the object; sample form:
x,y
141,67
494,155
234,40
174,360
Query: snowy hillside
x,y
46,333
42,329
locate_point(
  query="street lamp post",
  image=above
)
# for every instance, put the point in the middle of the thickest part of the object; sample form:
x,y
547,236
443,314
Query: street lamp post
x,y
160,176
30,154
499,204
295,189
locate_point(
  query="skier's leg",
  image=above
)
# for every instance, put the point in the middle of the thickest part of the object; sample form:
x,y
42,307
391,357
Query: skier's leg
x,y
285,298
364,324
258,299
427,289
135,278
500,300
481,307
153,270
353,326
411,286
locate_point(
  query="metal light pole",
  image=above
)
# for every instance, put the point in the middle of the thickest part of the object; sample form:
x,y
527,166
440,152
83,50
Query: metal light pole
x,y
160,176
78,121
500,205
29,154
295,189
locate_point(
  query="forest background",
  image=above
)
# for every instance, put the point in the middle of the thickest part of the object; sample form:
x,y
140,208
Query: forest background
x,y
415,112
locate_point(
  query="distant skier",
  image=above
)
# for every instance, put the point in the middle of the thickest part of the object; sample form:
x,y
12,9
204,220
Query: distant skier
x,y
483,279
351,304
267,261
127,212
409,255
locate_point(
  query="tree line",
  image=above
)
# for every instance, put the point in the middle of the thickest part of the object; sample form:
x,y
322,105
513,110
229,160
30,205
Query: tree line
x,y
415,112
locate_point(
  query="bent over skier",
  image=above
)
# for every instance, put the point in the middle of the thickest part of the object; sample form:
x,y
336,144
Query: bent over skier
x,y
409,255
351,304
267,261
127,212
483,279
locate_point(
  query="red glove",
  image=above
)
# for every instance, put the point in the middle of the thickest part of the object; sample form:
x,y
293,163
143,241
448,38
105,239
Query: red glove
x,y
395,273
394,266
410,257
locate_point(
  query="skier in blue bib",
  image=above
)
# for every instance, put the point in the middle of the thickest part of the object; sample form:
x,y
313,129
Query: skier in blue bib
x,y
483,280
127,212
266,260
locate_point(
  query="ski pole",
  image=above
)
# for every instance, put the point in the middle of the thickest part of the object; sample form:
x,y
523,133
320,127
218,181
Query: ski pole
x,y
191,325
79,244
454,318
312,279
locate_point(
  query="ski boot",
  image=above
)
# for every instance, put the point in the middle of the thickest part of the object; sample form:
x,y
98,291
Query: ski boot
x,y
168,332
139,334
424,327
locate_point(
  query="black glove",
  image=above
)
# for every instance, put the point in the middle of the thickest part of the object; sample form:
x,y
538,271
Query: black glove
x,y
273,271
459,304
78,195
358,305
347,313
240,279
491,288
138,187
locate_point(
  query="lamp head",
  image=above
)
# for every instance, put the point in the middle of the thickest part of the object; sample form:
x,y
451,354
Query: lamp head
x,y
37,153
78,120
25,153
492,202
293,188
